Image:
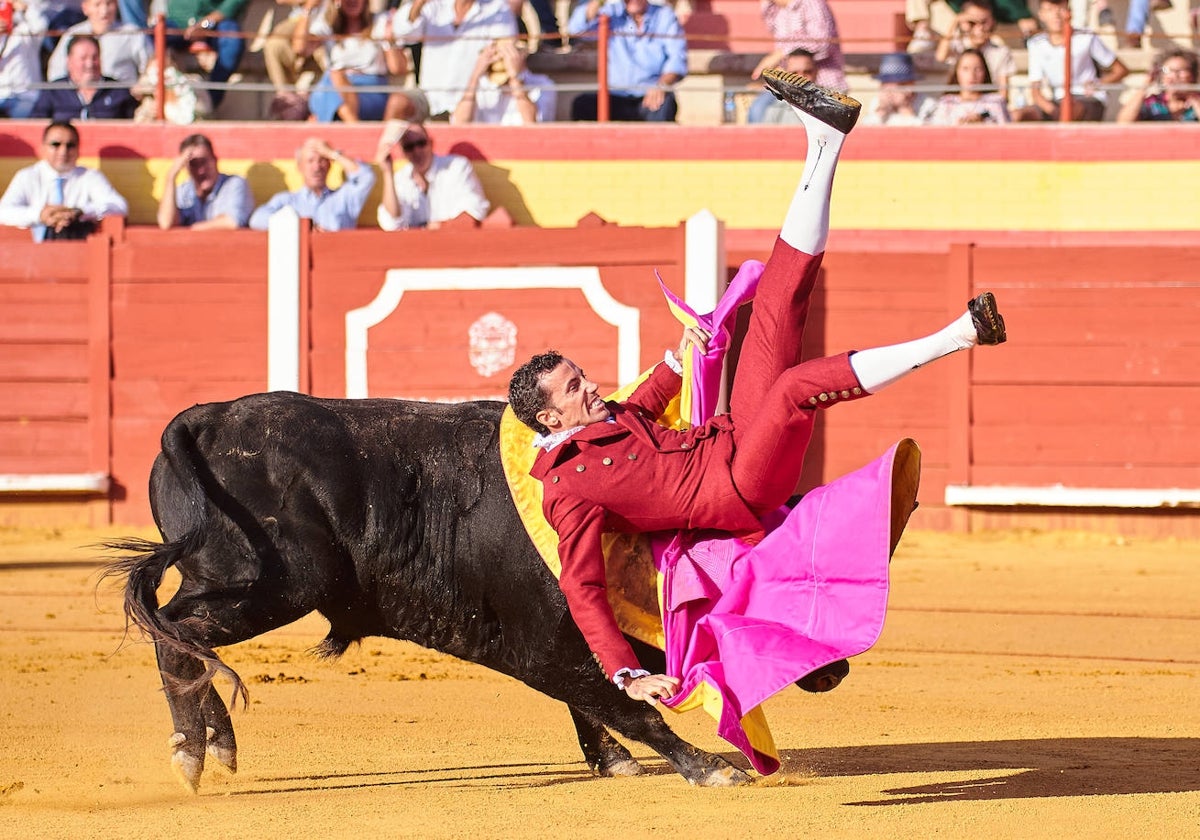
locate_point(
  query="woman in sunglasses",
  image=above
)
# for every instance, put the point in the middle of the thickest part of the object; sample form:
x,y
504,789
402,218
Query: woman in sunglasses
x,y
427,190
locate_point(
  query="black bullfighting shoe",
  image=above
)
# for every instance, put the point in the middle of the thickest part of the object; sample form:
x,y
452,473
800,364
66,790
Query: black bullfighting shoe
x,y
830,107
989,324
826,678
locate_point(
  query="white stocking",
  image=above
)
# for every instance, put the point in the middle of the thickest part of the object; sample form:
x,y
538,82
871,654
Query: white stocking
x,y
881,366
806,226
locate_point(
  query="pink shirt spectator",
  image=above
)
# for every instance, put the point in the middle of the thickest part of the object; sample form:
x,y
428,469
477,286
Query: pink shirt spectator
x,y
808,24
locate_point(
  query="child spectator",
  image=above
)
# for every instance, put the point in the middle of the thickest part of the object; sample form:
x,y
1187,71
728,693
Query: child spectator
x,y
972,99
1046,61
897,102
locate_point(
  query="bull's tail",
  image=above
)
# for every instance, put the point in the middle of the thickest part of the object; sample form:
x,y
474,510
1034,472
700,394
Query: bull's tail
x,y
143,569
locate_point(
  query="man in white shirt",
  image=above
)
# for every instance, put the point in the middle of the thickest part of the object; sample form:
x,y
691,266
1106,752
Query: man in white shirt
x,y
429,189
1046,64
57,198
124,49
501,90
452,32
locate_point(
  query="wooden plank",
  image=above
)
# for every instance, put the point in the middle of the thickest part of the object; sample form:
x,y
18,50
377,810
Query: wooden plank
x,y
188,359
1089,475
1062,268
1086,443
157,321
32,401
38,361
47,446
162,399
1136,407
1016,363
47,321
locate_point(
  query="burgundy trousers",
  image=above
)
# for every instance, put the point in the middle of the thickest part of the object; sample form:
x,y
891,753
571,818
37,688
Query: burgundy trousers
x,y
776,394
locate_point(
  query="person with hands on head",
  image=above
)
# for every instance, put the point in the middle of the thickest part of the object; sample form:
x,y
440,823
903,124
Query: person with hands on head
x,y
502,91
429,189
975,28
57,198
610,467
647,56
329,209
209,199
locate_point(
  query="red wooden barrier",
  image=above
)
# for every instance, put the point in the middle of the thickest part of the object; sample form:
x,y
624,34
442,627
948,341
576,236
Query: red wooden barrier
x,y
1097,387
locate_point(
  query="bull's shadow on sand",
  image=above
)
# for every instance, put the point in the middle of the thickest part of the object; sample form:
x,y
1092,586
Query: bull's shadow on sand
x,y
985,770
1026,769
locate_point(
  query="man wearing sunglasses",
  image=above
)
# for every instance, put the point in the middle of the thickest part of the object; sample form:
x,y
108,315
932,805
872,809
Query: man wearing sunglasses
x,y
56,198
428,190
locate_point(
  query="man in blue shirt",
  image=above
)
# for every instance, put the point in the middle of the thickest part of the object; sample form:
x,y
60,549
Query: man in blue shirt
x,y
329,209
647,55
208,199
91,95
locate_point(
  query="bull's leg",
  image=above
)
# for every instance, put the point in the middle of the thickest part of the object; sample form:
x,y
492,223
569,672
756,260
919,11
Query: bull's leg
x,y
221,743
602,752
188,739
639,721
212,620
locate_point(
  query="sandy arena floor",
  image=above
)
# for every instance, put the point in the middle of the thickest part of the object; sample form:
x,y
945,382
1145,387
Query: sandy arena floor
x,y
1026,686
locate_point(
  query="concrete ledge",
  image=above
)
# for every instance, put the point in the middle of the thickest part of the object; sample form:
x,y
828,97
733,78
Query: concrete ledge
x,y
1057,495
81,483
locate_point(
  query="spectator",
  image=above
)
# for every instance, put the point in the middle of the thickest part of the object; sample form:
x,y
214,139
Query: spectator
x,y
329,209
429,189
766,108
57,198
209,199
355,61
215,24
60,16
927,19
452,32
86,99
20,60
975,28
972,98
647,55
897,102
1046,61
133,12
284,63
124,50
184,95
808,25
502,90
1136,18
1169,93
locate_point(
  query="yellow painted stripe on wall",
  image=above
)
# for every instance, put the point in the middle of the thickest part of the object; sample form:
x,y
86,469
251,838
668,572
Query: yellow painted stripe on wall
x,y
870,195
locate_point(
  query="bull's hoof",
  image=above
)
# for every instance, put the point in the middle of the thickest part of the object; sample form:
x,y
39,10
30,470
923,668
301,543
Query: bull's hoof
x,y
187,767
620,767
224,754
729,776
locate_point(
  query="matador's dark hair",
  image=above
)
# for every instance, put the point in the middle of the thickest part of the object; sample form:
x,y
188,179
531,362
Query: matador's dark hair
x,y
525,393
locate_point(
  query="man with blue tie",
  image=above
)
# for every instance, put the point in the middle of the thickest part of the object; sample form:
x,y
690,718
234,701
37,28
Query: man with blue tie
x,y
56,198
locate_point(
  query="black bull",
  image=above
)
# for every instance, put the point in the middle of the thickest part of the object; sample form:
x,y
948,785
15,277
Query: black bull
x,y
390,518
